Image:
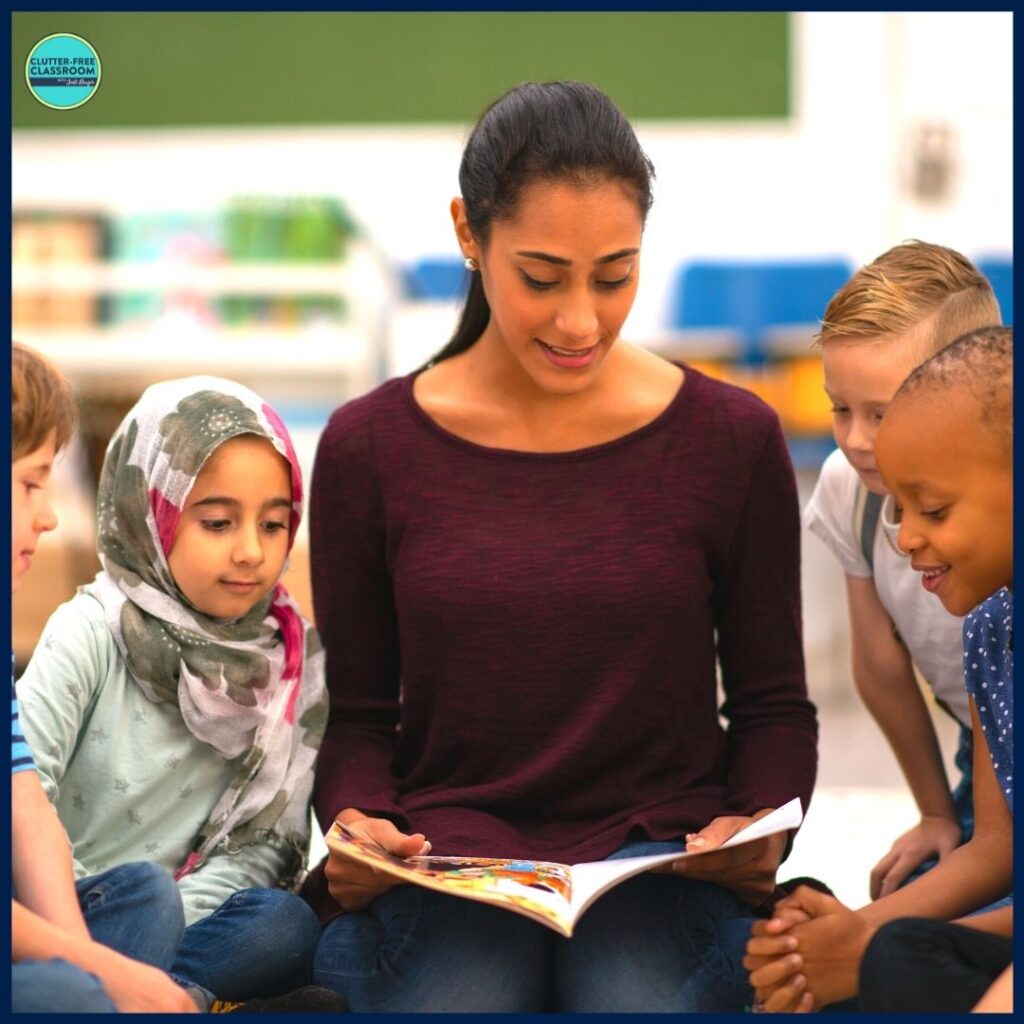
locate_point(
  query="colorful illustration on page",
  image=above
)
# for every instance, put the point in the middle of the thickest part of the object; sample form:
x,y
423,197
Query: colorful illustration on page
x,y
484,873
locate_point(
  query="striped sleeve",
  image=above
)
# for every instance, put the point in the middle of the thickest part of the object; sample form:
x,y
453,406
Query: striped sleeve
x,y
21,756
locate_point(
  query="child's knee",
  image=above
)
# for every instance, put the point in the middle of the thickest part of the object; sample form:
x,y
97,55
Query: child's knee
x,y
275,912
154,886
294,916
897,942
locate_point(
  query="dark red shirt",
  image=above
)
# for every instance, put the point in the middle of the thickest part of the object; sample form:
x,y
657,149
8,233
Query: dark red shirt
x,y
521,647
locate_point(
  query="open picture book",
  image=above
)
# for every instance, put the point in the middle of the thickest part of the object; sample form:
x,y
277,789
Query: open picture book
x,y
553,894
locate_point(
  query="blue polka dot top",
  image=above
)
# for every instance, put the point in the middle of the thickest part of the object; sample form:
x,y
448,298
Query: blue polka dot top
x,y
988,675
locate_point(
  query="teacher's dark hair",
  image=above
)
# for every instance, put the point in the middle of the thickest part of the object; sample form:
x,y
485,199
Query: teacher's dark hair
x,y
550,131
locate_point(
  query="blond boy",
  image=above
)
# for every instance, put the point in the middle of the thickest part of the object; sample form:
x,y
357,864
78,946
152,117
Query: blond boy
x,y
890,316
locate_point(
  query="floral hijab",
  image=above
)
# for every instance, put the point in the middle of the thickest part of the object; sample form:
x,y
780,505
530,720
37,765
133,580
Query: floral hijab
x,y
252,686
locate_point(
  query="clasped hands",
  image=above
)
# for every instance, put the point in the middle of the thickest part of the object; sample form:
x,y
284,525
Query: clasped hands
x,y
808,954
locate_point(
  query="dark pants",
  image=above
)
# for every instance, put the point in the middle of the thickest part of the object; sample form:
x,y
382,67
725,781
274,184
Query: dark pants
x,y
915,965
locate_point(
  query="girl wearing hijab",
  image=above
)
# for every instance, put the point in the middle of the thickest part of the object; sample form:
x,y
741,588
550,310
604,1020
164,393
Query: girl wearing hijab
x,y
177,702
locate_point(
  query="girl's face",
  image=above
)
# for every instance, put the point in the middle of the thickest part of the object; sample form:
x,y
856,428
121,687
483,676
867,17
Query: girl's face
x,y
31,512
560,279
861,378
231,541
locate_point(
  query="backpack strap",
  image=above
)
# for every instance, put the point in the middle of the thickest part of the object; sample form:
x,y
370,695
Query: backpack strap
x,y
867,507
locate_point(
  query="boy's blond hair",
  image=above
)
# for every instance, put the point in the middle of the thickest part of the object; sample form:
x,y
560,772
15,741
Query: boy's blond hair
x,y
918,288
42,400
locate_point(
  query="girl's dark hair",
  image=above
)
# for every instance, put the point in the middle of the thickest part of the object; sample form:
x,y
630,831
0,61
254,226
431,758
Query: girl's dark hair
x,y
550,131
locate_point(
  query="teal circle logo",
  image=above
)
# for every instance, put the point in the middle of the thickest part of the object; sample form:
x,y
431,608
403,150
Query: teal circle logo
x,y
62,71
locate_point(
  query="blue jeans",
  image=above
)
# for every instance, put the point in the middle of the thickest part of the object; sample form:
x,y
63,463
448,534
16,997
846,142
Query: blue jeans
x,y
55,986
257,943
654,943
134,908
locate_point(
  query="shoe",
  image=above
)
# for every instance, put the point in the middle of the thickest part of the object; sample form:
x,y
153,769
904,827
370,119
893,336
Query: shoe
x,y
310,999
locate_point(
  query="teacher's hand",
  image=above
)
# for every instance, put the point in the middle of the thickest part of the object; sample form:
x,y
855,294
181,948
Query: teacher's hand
x,y
747,870
354,886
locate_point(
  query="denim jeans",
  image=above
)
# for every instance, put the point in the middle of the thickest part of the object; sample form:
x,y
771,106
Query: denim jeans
x,y
654,943
134,908
258,943
55,986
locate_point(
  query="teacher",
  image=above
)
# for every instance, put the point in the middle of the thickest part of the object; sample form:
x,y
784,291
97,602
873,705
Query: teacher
x,y
532,560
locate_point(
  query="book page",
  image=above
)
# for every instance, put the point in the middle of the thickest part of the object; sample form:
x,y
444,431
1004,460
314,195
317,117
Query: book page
x,y
553,894
539,889
590,880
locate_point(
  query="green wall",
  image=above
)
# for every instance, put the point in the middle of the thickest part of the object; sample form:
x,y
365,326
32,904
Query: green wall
x,y
190,68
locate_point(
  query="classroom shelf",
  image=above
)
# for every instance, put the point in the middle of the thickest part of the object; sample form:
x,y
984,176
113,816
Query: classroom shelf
x,y
203,279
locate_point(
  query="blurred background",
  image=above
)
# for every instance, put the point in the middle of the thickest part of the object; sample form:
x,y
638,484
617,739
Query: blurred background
x,y
265,196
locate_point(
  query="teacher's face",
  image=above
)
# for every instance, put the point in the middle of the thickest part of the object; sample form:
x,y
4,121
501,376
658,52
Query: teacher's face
x,y
560,279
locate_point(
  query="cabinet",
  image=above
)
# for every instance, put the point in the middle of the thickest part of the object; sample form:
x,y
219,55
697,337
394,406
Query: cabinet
x,y
329,357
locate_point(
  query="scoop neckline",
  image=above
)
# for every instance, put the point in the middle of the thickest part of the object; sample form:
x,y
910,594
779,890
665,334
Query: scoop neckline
x,y
690,376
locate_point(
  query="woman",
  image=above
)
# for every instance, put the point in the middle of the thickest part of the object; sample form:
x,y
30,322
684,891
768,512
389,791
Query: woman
x,y
525,559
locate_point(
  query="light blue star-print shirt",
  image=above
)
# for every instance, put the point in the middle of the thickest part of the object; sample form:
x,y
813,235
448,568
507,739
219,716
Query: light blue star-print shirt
x,y
988,675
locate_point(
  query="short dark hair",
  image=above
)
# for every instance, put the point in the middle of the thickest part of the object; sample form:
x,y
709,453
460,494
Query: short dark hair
x,y
42,402
540,131
979,362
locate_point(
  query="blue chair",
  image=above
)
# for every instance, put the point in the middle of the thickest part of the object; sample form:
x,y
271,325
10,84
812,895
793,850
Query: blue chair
x,y
753,296
999,271
441,278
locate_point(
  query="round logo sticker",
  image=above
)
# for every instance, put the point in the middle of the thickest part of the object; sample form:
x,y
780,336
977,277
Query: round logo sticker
x,y
62,71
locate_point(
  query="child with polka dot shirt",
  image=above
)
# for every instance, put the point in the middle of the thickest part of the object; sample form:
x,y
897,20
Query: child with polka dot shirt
x,y
988,673
945,451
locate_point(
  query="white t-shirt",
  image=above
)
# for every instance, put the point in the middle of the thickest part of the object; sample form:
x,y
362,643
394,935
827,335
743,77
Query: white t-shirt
x,y
932,635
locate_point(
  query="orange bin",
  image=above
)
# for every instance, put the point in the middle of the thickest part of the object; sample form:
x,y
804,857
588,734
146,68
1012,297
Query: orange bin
x,y
804,406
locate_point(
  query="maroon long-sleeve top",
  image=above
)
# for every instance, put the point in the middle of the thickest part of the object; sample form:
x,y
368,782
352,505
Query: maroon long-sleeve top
x,y
521,647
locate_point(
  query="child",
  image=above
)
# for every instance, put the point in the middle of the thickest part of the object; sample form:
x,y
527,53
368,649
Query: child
x,y
892,314
57,966
945,451
177,702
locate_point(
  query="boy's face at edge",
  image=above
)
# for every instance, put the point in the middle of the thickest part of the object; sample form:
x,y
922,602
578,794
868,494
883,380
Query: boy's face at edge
x,y
32,514
953,482
861,377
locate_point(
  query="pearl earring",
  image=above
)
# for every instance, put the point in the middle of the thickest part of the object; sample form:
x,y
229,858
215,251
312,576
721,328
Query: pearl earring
x,y
470,264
